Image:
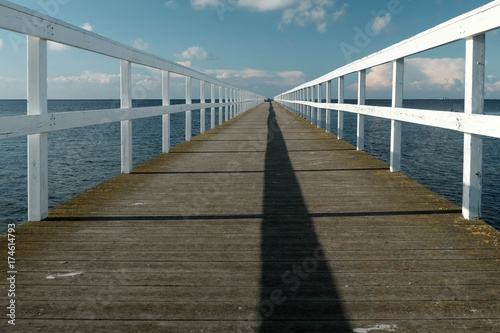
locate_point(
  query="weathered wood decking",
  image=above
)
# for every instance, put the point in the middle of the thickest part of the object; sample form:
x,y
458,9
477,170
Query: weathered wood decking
x,y
255,226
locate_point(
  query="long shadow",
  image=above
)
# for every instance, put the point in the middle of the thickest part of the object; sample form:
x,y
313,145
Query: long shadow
x,y
297,295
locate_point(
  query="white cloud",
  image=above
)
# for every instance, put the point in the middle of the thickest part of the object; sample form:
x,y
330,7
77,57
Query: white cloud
x,y
292,77
185,63
446,74
87,26
199,4
194,53
424,77
380,23
86,77
261,81
1,43
301,12
266,5
57,46
140,44
246,73
315,12
171,4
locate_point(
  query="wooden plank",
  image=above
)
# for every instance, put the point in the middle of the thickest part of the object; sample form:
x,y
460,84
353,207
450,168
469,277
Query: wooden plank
x,y
214,234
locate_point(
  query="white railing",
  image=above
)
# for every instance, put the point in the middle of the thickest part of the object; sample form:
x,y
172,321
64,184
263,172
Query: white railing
x,y
39,29
473,123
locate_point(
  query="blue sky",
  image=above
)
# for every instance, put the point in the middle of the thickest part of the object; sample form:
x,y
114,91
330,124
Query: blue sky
x,y
266,46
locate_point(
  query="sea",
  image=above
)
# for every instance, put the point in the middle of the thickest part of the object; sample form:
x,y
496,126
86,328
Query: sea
x,y
82,158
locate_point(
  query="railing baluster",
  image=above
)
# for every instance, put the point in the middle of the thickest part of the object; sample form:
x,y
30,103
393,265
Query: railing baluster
x,y
212,110
302,107
308,108
202,110
311,114
226,115
328,111
361,101
320,100
166,117
189,112
126,125
221,100
397,102
340,120
38,207
473,144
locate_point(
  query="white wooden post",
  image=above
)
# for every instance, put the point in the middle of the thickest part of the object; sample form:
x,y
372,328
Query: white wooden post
x,y
226,115
397,102
340,118
202,110
221,100
233,107
302,106
38,183
313,110
473,144
212,110
306,110
166,117
238,99
126,125
188,113
361,101
328,100
320,99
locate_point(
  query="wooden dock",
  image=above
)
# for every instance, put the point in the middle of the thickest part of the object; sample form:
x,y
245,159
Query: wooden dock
x,y
264,224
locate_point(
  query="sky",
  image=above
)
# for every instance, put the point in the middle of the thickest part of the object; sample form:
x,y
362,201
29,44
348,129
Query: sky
x,y
265,46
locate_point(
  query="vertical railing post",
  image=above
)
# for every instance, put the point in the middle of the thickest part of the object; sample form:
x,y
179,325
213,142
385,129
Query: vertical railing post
x,y
126,125
166,117
38,192
237,99
226,114
202,110
320,100
397,102
328,111
340,117
231,108
313,110
189,112
306,114
473,144
302,107
221,100
212,110
361,101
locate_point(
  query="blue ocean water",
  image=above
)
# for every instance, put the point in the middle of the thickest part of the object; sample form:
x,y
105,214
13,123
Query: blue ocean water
x,y
82,158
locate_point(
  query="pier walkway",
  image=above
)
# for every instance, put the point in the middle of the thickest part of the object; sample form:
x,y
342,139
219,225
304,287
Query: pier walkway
x,y
263,224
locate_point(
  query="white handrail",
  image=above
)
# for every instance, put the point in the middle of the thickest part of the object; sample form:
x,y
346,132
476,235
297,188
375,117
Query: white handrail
x,y
478,21
39,29
471,27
